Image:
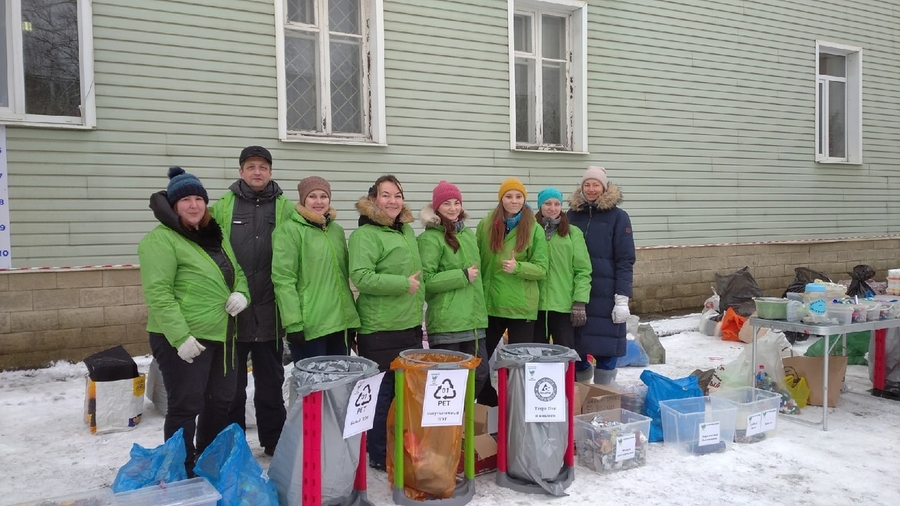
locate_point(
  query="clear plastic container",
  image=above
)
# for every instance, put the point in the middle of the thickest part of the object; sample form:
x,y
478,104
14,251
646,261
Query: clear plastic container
x,y
841,313
814,299
192,492
698,425
757,412
611,440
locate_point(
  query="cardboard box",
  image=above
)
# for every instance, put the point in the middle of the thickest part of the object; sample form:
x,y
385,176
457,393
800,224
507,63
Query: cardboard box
x,y
485,441
593,398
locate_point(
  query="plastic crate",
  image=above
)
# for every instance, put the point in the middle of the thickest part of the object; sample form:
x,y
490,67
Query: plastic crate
x,y
99,497
757,412
612,440
698,425
192,492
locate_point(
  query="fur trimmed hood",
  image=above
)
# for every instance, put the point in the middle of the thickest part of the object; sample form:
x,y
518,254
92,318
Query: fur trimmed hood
x,y
430,218
610,199
370,212
314,217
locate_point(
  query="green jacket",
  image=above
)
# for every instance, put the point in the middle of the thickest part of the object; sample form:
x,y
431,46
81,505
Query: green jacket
x,y
569,276
383,255
184,289
512,295
223,210
454,304
310,273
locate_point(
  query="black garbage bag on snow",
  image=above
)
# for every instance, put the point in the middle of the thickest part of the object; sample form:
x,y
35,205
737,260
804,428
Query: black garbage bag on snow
x,y
802,277
736,290
858,277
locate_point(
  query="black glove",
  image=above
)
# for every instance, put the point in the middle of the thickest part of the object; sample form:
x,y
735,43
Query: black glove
x,y
579,315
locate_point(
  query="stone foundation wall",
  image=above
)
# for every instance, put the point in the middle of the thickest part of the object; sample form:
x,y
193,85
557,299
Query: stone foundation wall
x,y
58,314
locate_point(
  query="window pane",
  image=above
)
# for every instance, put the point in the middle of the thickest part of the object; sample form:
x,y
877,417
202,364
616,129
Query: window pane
x,y
301,84
823,119
4,69
343,16
837,120
554,103
50,57
301,11
553,35
522,33
525,101
832,65
346,85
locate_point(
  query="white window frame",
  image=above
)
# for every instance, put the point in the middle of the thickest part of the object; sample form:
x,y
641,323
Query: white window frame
x,y
373,45
853,129
15,113
577,12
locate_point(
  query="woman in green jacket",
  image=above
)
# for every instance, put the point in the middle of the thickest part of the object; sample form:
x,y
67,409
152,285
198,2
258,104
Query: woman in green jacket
x,y
513,259
456,317
567,287
385,269
311,276
194,288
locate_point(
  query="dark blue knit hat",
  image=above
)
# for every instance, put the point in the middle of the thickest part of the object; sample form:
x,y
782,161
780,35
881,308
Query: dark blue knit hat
x,y
182,184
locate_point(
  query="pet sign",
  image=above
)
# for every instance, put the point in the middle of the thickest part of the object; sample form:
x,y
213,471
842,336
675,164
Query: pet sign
x,y
361,406
5,254
445,396
545,392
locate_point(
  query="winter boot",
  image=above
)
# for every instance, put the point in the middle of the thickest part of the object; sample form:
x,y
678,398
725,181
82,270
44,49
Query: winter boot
x,y
586,375
605,376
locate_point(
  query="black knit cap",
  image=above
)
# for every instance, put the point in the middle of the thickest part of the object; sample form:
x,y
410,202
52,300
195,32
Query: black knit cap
x,y
255,151
182,184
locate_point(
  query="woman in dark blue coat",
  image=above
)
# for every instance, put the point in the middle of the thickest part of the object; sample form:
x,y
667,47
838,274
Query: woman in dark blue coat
x,y
610,243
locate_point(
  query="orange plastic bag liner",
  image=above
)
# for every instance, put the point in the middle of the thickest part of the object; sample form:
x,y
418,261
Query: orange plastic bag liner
x,y
731,325
430,454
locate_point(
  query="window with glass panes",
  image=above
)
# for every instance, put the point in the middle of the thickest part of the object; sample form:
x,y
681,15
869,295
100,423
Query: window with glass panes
x,y
542,76
832,82
326,79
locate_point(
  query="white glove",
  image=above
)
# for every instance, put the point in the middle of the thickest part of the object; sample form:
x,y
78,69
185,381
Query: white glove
x,y
190,349
235,304
620,312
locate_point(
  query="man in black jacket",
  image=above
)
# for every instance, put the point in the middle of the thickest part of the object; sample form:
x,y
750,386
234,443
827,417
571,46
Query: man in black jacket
x,y
248,214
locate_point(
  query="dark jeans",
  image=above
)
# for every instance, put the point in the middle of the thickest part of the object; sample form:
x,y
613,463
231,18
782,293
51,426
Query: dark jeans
x,y
198,394
557,325
268,397
476,349
383,348
518,331
330,344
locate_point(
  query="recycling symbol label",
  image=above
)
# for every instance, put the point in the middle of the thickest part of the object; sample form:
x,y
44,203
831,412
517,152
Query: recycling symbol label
x,y
545,389
364,396
444,397
360,405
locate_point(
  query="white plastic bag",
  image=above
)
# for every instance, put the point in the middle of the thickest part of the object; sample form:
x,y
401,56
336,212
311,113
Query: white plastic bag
x,y
112,406
770,349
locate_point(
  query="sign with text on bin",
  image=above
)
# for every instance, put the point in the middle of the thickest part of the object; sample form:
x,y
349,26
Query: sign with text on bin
x,y
361,406
445,397
545,392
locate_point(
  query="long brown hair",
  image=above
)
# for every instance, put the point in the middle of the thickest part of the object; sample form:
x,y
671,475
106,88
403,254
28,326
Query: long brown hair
x,y
498,229
562,229
449,232
204,221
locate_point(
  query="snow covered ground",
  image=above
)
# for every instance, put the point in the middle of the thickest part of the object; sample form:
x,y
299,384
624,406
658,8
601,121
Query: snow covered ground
x,y
46,450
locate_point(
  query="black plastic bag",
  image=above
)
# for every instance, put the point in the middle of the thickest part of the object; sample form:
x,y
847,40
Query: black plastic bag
x,y
803,276
858,286
737,291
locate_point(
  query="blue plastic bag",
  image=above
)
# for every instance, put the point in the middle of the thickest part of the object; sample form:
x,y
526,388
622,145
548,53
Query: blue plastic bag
x,y
230,466
661,388
634,355
163,464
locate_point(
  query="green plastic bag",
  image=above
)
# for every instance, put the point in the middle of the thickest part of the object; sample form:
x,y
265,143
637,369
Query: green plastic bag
x,y
857,347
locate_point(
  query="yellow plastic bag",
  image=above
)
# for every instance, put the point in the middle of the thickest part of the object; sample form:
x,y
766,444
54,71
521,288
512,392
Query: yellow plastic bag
x,y
798,388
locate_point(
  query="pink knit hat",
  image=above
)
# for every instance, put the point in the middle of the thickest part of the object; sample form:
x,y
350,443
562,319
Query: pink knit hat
x,y
594,172
443,192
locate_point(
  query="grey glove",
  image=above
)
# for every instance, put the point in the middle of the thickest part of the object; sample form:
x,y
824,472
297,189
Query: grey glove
x,y
579,315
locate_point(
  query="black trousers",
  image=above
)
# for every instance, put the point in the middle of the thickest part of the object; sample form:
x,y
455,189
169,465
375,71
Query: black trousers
x,y
198,394
382,348
518,331
268,397
330,344
476,349
557,325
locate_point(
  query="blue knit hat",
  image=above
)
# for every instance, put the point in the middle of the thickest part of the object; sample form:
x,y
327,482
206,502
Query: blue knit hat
x,y
182,184
547,194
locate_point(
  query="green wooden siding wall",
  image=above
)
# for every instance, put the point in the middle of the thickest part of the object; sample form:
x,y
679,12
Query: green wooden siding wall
x,y
701,110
